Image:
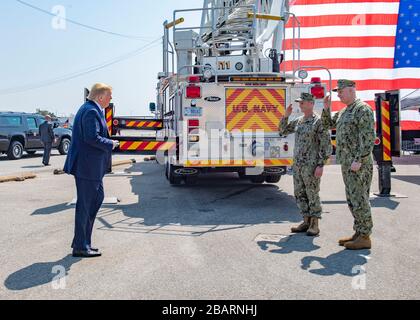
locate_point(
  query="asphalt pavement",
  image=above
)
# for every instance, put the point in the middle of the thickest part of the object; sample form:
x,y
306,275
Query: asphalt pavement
x,y
223,238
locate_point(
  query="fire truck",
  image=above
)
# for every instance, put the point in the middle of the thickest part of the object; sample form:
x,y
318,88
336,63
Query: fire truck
x,y
222,92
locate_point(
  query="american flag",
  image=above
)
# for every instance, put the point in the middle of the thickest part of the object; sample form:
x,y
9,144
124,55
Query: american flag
x,y
373,42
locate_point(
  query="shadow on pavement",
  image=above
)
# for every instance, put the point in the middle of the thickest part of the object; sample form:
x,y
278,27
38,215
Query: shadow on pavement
x,y
39,274
217,202
292,243
33,167
374,203
39,154
409,179
344,262
58,208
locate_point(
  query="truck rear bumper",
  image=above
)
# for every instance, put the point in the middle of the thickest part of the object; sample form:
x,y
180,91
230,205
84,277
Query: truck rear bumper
x,y
4,145
238,163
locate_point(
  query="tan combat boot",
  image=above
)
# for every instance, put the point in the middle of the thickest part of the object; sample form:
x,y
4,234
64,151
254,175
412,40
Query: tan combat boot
x,y
342,241
361,242
313,227
303,226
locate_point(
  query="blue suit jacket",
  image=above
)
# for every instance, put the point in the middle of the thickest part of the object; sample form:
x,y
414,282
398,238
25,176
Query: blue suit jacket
x,y
89,156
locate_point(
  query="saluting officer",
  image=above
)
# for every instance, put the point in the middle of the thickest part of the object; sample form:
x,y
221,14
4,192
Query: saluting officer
x,y
312,150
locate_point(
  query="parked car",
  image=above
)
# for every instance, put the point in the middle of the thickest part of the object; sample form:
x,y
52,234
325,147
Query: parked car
x,y
19,132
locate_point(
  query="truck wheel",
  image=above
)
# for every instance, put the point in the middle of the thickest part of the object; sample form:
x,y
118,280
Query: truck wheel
x,y
272,179
64,146
15,151
173,178
257,179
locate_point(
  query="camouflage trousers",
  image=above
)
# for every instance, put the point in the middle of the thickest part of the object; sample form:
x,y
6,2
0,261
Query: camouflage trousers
x,y
357,194
306,188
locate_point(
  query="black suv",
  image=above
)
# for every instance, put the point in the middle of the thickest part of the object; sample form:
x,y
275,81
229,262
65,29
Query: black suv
x,y
20,132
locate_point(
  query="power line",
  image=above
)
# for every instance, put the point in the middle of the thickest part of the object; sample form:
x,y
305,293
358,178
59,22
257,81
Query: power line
x,y
82,24
86,71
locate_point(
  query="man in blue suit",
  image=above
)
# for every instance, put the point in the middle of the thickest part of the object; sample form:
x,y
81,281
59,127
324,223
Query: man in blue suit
x,y
88,159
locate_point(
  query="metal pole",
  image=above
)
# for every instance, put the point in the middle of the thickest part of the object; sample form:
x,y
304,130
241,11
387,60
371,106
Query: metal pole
x,y
384,172
165,48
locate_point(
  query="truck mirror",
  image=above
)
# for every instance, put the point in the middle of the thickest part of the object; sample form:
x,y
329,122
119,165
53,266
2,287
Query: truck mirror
x,y
86,94
152,106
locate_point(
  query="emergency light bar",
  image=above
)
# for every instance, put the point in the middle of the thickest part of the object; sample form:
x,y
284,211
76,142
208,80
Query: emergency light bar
x,y
257,79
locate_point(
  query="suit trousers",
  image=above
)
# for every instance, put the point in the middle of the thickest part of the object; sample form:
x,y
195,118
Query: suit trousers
x,y
90,195
47,152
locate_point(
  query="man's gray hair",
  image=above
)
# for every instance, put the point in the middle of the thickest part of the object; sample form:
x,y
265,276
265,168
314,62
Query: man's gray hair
x,y
97,90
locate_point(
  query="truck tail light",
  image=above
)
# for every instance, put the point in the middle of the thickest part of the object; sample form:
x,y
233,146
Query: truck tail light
x,y
194,79
193,130
193,92
193,123
317,90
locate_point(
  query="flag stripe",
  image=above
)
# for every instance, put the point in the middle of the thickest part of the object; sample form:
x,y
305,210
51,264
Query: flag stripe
x,y
345,8
365,95
346,20
337,105
410,125
369,73
340,42
353,53
380,63
383,85
340,31
410,115
308,2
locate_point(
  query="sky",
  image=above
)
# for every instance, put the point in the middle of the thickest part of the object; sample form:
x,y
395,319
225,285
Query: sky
x,y
37,48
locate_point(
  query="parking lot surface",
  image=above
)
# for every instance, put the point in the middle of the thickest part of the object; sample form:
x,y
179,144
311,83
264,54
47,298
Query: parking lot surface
x,y
223,238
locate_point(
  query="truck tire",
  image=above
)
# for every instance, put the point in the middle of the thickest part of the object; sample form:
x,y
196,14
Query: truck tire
x,y
272,179
173,178
15,150
64,146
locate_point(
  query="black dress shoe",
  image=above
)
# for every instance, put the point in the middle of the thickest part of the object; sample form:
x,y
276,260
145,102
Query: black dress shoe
x,y
86,254
94,249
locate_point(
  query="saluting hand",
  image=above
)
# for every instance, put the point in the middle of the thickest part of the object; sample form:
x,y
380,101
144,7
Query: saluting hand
x,y
327,102
289,111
